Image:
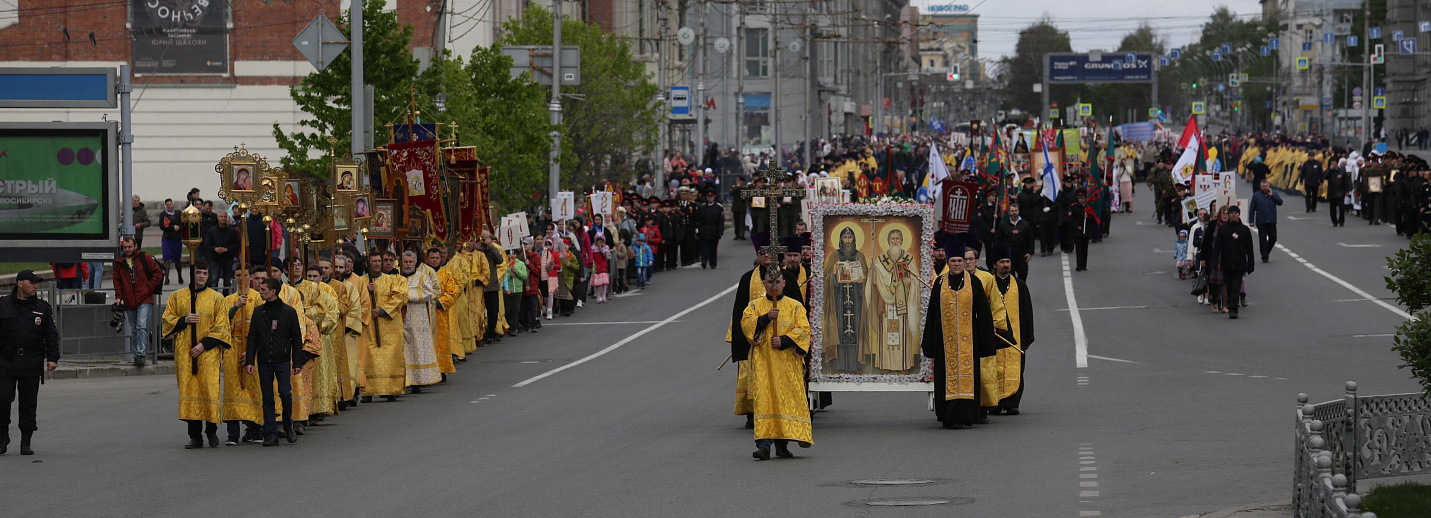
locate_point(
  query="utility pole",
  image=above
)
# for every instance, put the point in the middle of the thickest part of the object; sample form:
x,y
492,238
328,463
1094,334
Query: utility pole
x,y
738,55
554,169
356,99
775,72
809,78
879,90
1368,76
660,95
700,102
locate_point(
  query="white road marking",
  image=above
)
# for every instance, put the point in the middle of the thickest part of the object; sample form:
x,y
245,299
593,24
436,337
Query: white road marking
x,y
1345,284
631,338
603,323
1378,335
1294,218
1344,245
1080,340
1259,376
627,294
1086,494
1107,359
1160,251
1233,374
1089,513
1104,308
1213,372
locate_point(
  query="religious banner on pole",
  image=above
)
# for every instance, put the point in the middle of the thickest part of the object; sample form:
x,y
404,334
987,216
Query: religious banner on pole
x,y
958,206
469,200
417,163
484,208
602,203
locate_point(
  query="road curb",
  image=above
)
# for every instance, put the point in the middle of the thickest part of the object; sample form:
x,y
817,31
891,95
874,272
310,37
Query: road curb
x,y
112,371
1265,509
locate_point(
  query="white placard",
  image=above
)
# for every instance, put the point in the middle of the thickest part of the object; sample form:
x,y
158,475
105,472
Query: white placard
x,y
601,203
564,206
507,234
1227,189
521,219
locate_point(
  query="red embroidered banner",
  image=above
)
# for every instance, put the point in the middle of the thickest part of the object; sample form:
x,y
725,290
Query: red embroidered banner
x,y
469,198
484,219
417,164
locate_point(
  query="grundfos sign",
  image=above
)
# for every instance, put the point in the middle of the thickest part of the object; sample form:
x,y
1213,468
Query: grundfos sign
x,y
180,36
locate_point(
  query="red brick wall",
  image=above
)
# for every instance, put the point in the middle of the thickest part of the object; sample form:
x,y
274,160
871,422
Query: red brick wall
x,y
601,12
261,32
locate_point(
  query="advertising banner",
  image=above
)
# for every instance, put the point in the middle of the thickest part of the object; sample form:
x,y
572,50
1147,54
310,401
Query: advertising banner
x,y
1110,68
180,36
53,185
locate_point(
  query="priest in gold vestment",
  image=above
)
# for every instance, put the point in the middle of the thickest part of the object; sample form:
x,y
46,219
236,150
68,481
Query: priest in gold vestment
x,y
448,340
350,323
198,321
1020,314
958,331
989,366
386,369
359,321
419,354
750,287
241,391
324,374
779,334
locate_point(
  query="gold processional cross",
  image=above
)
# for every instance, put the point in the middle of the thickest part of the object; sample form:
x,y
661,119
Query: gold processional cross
x,y
773,176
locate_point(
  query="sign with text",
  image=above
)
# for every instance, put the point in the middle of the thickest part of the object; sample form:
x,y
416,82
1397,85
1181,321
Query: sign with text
x,y
1082,68
180,37
57,190
564,206
958,206
601,203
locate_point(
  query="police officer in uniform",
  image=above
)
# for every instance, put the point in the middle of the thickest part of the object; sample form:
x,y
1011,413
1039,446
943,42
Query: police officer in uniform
x,y
29,345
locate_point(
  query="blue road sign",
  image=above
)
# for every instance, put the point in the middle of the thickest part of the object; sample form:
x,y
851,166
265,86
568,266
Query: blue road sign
x,y
1221,87
1397,35
1176,53
680,101
1275,43
1408,46
1163,61
1424,26
1374,33
1226,48
1379,91
1266,51
1269,104
1328,37
1306,46
1217,56
1351,41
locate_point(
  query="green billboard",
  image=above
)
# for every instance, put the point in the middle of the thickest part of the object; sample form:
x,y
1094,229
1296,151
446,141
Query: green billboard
x,y
53,184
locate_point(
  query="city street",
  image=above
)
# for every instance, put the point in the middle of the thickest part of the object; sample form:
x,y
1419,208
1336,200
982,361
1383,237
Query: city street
x,y
1179,411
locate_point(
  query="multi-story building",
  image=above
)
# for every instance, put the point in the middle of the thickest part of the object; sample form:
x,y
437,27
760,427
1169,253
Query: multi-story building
x,y
1408,77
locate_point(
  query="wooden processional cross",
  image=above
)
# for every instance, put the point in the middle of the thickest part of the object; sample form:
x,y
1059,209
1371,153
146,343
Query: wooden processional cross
x,y
773,176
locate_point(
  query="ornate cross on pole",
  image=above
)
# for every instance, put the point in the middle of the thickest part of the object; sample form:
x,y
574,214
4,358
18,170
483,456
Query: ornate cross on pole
x,y
773,176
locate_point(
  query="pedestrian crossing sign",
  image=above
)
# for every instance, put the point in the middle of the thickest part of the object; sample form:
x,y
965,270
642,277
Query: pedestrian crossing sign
x,y
1199,107
1085,110
1378,102
1304,63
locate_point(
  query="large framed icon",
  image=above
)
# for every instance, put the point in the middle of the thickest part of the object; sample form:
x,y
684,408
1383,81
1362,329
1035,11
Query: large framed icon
x,y
870,278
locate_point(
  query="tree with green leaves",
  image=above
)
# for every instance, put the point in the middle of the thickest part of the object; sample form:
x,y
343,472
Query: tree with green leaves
x,y
325,97
504,117
1025,69
610,121
1411,281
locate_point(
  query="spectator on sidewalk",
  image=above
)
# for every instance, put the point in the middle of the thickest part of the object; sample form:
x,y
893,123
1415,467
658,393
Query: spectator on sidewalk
x,y
171,240
70,276
136,281
1263,211
221,246
141,221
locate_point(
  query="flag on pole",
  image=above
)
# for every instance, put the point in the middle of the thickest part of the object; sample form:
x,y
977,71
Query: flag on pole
x,y
1050,177
1187,164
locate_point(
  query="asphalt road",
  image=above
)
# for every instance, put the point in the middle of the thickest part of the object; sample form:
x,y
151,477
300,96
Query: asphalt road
x,y
1179,411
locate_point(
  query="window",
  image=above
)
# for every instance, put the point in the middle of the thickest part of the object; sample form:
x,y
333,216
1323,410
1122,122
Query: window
x,y
757,53
757,131
827,58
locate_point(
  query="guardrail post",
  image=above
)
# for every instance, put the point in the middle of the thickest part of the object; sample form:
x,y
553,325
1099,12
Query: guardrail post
x,y
1321,482
1339,491
1349,439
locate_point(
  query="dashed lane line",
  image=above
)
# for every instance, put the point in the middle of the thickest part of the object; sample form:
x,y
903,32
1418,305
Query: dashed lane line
x,y
1398,311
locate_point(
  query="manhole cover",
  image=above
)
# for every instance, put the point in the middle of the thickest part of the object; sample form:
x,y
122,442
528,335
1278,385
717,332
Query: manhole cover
x,y
893,482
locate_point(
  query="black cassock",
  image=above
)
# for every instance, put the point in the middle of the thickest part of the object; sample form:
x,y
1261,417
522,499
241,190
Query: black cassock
x,y
958,411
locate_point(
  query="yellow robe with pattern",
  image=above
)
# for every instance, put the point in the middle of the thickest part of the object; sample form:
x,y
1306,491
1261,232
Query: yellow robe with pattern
x,y
1011,359
351,322
989,366
449,336
743,403
419,317
479,269
777,383
200,398
357,337
242,397
301,384
387,368
460,314
502,327
322,378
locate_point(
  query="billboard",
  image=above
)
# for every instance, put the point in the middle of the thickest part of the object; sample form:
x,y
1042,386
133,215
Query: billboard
x,y
180,37
1110,68
58,185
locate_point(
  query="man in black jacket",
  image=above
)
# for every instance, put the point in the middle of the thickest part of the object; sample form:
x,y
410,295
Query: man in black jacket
x,y
1017,234
985,221
1338,185
710,225
275,350
1083,225
221,245
1234,251
1311,183
29,345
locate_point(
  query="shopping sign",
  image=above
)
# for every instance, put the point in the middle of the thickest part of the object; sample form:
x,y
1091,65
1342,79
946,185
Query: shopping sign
x,y
959,206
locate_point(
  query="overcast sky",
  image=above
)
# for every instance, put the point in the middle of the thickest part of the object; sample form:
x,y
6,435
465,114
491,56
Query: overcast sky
x,y
1094,24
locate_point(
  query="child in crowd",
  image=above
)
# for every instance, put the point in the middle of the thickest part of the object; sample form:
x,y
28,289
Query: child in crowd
x,y
1180,254
644,258
601,280
623,256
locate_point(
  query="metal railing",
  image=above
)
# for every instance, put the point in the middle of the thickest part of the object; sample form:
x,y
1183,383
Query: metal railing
x,y
1340,442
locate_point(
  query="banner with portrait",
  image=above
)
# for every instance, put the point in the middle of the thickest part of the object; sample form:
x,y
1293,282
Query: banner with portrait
x,y
179,37
869,282
417,164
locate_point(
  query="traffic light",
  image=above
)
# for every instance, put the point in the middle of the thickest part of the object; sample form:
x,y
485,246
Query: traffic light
x,y
1194,85
954,72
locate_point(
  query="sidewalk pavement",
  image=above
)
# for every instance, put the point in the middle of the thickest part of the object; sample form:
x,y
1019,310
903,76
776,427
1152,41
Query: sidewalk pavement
x,y
105,366
1281,509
